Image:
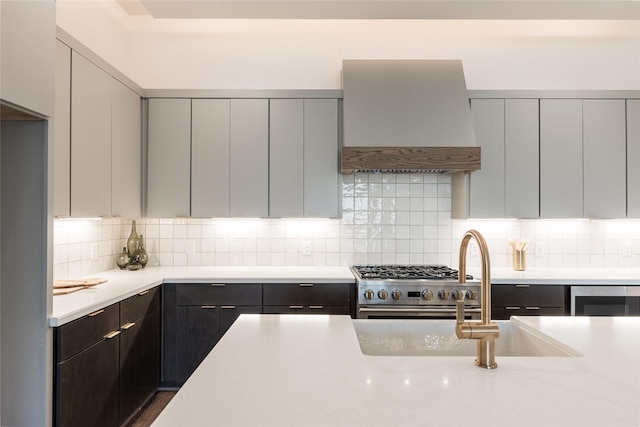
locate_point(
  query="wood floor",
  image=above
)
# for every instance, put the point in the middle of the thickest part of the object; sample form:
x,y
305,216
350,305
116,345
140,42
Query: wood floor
x,y
153,408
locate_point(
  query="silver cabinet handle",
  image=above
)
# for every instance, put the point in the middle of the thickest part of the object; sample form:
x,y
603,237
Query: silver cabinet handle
x,y
316,307
112,334
522,286
95,313
207,307
296,307
127,326
532,308
143,293
305,285
218,285
230,307
512,308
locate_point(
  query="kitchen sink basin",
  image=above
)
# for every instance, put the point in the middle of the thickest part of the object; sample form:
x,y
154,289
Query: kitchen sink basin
x,y
381,337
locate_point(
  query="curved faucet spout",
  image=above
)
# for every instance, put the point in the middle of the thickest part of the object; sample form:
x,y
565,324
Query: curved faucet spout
x,y
484,331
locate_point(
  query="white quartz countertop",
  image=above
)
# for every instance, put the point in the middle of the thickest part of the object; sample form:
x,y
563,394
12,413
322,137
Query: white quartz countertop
x,y
297,370
564,276
122,284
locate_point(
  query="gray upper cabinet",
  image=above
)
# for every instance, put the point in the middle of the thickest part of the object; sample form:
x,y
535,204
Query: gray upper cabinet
x,y
561,184
90,139
286,157
522,158
633,158
303,146
62,132
604,126
168,172
249,154
507,185
126,152
27,56
487,196
210,157
321,178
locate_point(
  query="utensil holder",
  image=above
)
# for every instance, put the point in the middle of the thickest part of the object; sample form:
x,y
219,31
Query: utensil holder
x,y
519,260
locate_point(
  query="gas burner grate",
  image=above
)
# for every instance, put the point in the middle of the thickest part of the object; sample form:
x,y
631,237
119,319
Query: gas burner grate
x,y
407,272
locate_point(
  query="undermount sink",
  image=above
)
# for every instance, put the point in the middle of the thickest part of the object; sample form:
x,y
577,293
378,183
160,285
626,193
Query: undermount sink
x,y
381,337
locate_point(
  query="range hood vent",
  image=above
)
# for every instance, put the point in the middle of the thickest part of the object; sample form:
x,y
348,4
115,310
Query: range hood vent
x,y
407,116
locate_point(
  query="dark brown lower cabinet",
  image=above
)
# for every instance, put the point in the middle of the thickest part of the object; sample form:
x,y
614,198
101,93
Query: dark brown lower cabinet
x,y
87,386
107,364
308,298
139,364
529,300
198,330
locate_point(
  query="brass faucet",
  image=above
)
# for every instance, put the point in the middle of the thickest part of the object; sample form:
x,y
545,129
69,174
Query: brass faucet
x,y
484,331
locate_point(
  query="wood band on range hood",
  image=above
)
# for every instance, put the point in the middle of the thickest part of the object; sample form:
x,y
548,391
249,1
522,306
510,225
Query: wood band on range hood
x,y
409,159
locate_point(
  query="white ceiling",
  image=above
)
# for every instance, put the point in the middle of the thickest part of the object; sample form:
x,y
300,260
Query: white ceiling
x,y
385,9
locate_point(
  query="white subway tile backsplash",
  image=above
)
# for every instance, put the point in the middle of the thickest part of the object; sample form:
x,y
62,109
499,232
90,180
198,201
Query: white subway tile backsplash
x,y
386,218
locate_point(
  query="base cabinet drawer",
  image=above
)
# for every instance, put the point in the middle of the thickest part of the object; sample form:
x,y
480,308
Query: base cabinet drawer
x,y
307,309
529,300
307,294
504,313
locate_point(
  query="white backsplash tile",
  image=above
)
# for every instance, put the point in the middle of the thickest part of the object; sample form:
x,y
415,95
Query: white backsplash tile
x,y
386,218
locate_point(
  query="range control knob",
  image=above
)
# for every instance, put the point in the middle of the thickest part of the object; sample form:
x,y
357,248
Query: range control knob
x,y
458,295
383,294
368,294
443,294
396,294
472,295
427,294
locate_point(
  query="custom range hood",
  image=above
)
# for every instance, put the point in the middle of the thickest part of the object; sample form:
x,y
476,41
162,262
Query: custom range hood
x,y
407,116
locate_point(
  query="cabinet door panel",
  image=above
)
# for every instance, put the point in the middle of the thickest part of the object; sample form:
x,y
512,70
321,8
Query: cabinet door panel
x,y
633,158
522,158
140,364
90,139
75,336
525,295
126,149
605,189
307,309
197,330
286,157
488,184
87,387
169,176
561,183
249,154
62,135
210,158
321,177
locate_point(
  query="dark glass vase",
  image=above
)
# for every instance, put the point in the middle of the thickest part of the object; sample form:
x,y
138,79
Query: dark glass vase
x,y
142,257
122,259
133,243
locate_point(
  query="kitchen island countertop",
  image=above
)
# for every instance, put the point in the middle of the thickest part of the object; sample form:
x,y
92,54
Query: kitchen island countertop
x,y
296,370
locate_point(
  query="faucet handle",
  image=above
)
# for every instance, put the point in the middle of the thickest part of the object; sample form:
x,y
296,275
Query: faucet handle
x,y
459,311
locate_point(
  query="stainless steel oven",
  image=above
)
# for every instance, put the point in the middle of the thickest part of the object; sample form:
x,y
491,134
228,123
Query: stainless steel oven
x,y
413,292
605,300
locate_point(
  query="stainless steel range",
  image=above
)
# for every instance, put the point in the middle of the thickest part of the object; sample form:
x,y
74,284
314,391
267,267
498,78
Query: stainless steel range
x,y
414,291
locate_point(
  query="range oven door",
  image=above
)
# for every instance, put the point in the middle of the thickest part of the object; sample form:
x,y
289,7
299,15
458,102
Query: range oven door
x,y
605,300
413,312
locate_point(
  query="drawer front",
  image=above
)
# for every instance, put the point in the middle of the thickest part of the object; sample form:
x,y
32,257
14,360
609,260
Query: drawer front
x,y
504,313
529,295
137,306
219,293
82,333
307,294
306,309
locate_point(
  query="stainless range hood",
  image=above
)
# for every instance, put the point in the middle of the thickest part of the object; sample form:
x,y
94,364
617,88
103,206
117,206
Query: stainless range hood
x,y
407,116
